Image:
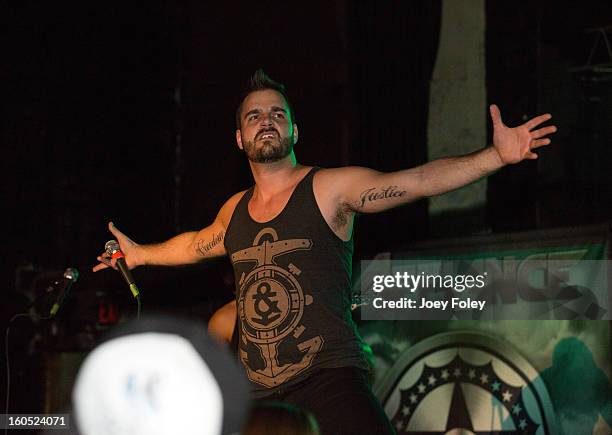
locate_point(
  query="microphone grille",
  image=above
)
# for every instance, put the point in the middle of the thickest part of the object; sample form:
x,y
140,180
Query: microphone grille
x,y
111,247
72,274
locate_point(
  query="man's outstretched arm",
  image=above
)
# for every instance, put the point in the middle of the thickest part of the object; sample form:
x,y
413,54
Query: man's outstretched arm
x,y
368,191
186,248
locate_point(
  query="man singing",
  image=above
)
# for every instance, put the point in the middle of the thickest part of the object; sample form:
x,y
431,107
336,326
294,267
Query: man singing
x,y
289,238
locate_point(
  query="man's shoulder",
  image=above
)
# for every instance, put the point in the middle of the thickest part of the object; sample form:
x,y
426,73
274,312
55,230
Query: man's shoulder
x,y
341,171
328,185
339,186
337,177
227,210
235,198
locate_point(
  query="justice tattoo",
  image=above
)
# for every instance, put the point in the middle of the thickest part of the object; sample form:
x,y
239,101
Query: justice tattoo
x,y
204,248
375,194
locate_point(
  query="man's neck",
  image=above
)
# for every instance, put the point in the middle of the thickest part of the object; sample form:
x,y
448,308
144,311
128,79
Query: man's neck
x,y
273,178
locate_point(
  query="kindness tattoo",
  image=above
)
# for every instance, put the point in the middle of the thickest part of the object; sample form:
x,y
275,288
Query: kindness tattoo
x,y
205,247
375,194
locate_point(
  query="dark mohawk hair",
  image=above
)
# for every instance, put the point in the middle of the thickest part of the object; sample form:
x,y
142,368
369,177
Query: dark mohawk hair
x,y
261,81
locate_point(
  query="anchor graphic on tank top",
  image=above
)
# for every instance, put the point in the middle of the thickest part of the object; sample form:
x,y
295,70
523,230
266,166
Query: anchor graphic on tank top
x,y
271,306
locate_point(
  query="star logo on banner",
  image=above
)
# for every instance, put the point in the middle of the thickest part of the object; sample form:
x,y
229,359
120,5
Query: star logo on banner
x,y
456,389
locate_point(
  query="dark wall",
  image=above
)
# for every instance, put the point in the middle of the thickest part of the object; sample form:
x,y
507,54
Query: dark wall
x,y
534,51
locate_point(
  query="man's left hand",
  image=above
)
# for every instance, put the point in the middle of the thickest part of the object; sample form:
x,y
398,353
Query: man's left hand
x,y
516,144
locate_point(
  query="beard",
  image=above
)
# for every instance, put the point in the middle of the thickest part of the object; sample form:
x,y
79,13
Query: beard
x,y
272,150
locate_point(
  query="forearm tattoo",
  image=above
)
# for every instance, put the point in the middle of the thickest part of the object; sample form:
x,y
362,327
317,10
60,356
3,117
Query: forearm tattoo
x,y
374,194
203,248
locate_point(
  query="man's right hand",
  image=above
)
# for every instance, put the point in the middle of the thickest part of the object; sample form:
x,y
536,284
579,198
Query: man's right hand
x,y
132,251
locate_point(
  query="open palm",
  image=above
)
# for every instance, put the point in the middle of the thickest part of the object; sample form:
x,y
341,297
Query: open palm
x,y
516,144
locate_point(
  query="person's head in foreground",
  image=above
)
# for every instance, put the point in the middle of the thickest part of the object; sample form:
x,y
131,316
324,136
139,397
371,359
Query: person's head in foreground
x,y
159,376
276,418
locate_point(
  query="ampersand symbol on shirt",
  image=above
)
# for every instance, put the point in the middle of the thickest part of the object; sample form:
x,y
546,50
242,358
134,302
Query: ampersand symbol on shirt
x,y
262,296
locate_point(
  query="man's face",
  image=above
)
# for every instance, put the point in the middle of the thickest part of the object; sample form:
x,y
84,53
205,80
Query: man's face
x,y
266,133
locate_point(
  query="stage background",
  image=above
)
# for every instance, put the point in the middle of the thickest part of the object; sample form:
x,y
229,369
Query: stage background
x,y
127,114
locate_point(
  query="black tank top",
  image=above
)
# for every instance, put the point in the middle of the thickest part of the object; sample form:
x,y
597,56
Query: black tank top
x,y
293,281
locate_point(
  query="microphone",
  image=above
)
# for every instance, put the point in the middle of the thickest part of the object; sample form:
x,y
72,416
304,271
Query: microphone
x,y
113,249
71,275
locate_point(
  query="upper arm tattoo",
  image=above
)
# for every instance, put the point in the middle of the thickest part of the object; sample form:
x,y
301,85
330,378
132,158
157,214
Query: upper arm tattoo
x,y
377,193
204,247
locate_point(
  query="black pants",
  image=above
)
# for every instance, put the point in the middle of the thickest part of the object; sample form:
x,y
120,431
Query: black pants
x,y
341,400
